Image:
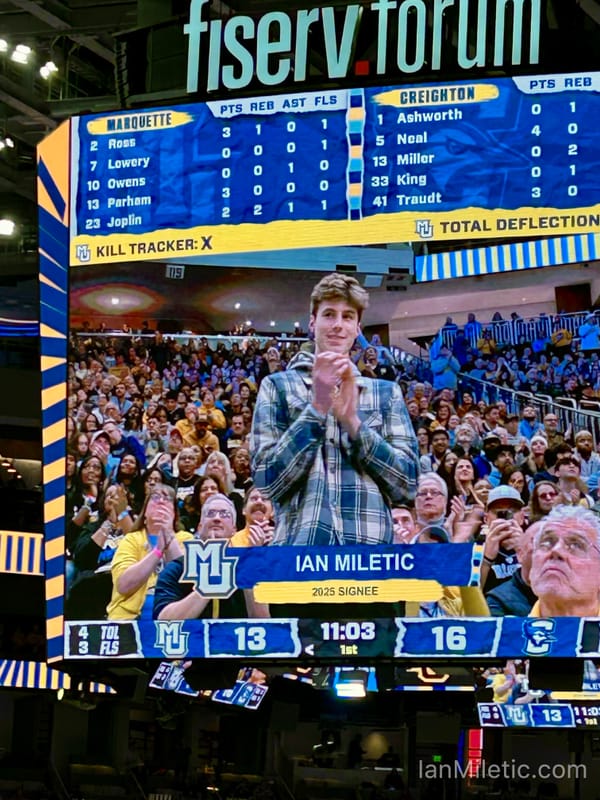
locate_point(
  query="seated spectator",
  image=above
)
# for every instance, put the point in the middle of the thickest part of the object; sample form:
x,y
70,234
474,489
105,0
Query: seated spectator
x,y
90,593
423,441
486,343
515,596
529,425
240,464
502,529
550,430
565,565
404,524
129,476
536,461
502,458
572,491
590,461
440,442
466,404
175,600
431,500
430,506
544,496
466,440
153,542
516,477
120,444
258,515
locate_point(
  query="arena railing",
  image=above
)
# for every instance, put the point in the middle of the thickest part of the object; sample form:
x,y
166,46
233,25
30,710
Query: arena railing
x,y
510,332
213,339
572,415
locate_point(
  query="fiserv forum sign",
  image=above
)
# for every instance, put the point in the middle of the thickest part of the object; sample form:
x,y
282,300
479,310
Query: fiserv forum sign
x,y
409,36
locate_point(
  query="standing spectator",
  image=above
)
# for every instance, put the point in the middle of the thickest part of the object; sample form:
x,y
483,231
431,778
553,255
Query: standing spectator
x,y
473,330
589,332
445,368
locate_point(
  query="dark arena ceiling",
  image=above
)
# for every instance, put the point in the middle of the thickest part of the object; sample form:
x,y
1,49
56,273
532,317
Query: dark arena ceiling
x,y
122,53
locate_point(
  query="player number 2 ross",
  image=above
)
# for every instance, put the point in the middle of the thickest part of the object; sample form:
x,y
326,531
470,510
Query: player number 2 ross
x,y
453,637
252,638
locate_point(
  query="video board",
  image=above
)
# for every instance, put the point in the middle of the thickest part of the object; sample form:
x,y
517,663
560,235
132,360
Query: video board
x,y
539,715
391,576
495,158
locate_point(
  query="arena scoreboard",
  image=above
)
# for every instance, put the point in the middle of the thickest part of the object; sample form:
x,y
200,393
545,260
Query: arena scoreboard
x,y
494,158
509,157
539,715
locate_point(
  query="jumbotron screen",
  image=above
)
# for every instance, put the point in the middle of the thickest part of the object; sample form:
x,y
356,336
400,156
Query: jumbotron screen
x,y
227,493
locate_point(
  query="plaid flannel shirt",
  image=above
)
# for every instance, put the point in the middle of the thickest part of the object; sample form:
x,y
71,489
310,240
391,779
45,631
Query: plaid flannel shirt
x,y
326,488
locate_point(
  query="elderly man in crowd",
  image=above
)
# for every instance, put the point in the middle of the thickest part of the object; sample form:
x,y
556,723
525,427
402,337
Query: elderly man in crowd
x,y
565,567
175,600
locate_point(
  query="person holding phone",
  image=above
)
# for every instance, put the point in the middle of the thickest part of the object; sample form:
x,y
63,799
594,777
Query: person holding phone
x,y
502,529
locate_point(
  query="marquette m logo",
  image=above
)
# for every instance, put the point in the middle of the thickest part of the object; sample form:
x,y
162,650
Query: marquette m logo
x,y
171,639
402,36
209,569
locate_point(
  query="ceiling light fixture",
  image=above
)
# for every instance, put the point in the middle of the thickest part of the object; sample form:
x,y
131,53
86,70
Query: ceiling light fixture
x,y
21,54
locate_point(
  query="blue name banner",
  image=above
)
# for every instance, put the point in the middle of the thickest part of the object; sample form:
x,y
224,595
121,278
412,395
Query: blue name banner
x,y
215,569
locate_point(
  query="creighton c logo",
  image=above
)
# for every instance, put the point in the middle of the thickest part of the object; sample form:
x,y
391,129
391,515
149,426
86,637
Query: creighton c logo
x,y
209,569
538,636
170,638
83,253
424,228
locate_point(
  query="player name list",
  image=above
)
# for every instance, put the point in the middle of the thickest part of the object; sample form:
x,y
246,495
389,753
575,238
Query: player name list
x,y
501,145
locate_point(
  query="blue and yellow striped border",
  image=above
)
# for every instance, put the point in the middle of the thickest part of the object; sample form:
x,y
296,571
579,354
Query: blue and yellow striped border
x,y
21,553
36,675
53,210
507,257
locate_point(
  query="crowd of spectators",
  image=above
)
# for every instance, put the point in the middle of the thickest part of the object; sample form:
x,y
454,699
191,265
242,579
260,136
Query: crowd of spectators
x,y
556,356
159,452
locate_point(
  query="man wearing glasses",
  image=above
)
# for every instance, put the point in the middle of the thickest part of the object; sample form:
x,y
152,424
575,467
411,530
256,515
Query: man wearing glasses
x,y
565,566
175,600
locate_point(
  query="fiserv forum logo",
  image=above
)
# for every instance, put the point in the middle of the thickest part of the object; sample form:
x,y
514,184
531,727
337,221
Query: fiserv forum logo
x,y
275,48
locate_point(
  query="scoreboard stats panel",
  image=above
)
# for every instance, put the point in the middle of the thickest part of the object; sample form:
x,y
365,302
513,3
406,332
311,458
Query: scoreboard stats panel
x,y
494,158
400,637
539,715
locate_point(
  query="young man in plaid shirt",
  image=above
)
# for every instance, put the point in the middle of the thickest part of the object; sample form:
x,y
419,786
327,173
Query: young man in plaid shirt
x,y
333,450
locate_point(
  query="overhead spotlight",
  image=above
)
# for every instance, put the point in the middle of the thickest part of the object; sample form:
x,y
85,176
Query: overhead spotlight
x,y
48,69
3,45
7,227
236,306
114,301
21,54
352,683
